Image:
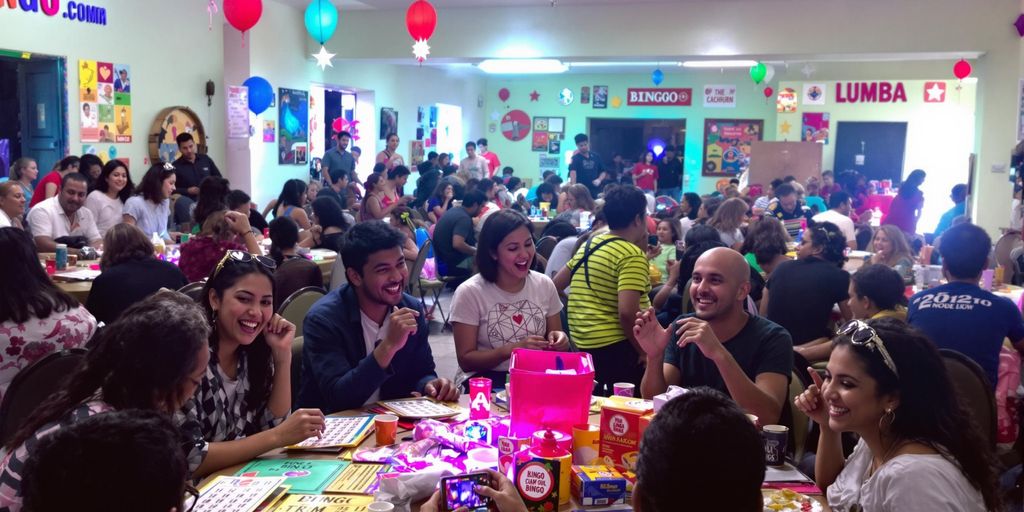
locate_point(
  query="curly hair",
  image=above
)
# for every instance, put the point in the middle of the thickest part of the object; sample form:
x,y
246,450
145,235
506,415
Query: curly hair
x,y
830,239
142,361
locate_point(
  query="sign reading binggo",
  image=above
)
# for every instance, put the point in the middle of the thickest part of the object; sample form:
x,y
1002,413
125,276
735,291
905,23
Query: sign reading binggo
x,y
659,97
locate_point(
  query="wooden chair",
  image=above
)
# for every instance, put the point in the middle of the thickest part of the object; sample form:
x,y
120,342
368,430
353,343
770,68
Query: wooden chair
x,y
975,391
295,307
296,369
34,384
193,290
546,245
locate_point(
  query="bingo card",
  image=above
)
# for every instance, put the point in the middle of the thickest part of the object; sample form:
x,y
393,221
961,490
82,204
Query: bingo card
x,y
419,408
343,432
236,494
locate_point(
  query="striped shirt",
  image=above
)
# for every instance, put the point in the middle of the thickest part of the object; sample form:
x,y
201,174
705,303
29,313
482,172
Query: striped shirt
x,y
616,266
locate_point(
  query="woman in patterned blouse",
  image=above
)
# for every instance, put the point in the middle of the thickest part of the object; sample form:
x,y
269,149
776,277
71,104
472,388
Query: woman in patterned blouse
x,y
245,394
151,358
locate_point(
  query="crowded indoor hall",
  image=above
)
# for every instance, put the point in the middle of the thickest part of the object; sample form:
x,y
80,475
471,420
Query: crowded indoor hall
x,y
511,255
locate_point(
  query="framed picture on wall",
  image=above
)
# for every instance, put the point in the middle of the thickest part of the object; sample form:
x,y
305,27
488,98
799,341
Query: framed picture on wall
x,y
556,125
727,145
388,122
600,96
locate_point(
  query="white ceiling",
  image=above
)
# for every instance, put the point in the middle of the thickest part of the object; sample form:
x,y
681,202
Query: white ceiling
x,y
403,4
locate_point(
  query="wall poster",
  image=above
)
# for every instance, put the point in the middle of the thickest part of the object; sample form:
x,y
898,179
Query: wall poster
x,y
105,96
815,127
727,145
293,126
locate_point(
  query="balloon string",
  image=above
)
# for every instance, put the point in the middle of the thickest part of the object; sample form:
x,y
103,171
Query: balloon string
x,y
211,8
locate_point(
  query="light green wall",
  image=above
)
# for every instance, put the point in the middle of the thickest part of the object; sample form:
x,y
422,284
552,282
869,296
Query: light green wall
x,y
750,104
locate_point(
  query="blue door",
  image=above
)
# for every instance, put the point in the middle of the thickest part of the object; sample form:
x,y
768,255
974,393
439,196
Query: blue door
x,y
42,87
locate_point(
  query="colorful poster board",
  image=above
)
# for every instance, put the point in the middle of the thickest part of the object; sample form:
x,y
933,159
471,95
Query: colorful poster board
x,y
293,126
727,145
238,112
105,99
786,101
303,476
815,127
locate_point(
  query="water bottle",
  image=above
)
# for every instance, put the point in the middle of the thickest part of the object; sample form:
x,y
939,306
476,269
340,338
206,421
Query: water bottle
x,y
62,256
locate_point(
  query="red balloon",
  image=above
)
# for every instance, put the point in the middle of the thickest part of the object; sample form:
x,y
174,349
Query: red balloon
x,y
503,94
421,19
243,14
768,92
962,69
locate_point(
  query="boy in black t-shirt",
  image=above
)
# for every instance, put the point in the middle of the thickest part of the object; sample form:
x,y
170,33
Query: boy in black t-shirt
x,y
586,166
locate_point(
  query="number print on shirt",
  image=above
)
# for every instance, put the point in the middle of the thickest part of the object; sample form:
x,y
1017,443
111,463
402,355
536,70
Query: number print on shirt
x,y
509,323
943,300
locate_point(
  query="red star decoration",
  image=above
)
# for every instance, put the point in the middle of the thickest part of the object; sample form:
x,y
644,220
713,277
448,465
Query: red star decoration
x,y
534,96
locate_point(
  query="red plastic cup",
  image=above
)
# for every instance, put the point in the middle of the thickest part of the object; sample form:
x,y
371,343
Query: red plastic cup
x,y
51,266
479,398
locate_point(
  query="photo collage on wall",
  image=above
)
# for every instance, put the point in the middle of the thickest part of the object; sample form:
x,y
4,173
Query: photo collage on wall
x,y
105,99
548,133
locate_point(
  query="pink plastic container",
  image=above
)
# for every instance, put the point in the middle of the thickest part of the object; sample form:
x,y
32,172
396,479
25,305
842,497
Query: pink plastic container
x,y
544,400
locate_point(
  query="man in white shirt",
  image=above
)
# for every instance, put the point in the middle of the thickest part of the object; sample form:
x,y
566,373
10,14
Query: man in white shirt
x,y
63,215
839,214
474,165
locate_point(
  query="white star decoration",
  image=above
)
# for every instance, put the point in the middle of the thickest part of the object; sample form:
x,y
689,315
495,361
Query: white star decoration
x,y
420,49
323,58
808,70
935,93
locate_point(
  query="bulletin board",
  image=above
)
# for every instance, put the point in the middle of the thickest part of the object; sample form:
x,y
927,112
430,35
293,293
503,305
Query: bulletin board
x,y
770,160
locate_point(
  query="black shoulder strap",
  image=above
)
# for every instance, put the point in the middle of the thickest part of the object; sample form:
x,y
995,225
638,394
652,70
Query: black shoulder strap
x,y
587,252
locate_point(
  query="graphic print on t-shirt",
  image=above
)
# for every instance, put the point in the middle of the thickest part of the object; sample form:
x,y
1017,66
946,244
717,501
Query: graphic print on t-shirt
x,y
509,323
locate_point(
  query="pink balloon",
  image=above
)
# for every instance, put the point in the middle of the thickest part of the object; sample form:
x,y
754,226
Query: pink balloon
x,y
503,94
768,92
962,69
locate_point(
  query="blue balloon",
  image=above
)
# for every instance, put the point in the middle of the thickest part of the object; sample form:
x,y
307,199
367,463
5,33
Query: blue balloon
x,y
260,93
321,20
657,77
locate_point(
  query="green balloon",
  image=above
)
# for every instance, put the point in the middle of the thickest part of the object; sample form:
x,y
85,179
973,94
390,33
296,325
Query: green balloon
x,y
758,72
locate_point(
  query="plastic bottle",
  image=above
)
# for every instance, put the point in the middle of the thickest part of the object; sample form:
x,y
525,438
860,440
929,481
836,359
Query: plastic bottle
x,y
62,256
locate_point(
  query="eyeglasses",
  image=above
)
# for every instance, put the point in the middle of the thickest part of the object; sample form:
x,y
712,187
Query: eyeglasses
x,y
243,257
862,334
194,494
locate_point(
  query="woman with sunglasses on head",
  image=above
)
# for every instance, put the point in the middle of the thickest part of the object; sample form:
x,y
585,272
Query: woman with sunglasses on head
x,y
151,358
918,449
245,394
800,294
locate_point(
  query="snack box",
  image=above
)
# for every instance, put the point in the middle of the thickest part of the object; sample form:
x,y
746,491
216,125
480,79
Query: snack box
x,y
621,424
598,485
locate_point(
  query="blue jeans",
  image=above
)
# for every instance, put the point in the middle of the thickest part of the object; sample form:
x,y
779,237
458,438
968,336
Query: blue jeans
x,y
674,193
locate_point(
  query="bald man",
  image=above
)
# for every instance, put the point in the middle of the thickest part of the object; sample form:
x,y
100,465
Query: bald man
x,y
721,346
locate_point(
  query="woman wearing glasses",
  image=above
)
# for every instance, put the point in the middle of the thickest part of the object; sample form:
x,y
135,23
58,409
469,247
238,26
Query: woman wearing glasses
x,y
151,358
245,394
918,449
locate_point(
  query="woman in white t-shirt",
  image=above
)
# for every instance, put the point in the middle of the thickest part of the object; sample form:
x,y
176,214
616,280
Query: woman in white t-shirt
x,y
150,209
113,187
506,305
918,449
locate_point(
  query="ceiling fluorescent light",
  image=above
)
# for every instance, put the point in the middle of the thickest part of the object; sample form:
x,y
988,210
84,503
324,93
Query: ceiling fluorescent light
x,y
719,63
522,66
596,64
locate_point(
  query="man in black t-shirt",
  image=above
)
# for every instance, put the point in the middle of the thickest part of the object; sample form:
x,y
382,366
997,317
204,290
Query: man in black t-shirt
x,y
455,239
586,166
721,346
670,174
191,168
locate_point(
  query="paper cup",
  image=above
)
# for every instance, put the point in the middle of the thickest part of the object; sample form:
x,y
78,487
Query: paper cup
x,y
776,439
380,506
386,426
623,389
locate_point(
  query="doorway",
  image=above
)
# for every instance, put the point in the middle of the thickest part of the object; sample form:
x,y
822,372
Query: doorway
x,y
629,138
874,149
32,109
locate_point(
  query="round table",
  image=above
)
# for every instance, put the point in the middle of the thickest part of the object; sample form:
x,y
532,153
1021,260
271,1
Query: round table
x,y
404,434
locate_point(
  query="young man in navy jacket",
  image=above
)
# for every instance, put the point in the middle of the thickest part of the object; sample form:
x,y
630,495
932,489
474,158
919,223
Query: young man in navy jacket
x,y
367,341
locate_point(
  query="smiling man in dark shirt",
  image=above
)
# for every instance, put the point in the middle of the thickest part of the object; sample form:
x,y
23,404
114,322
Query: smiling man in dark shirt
x,y
192,167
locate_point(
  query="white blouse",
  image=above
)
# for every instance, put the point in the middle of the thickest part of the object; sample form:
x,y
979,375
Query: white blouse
x,y
107,211
906,483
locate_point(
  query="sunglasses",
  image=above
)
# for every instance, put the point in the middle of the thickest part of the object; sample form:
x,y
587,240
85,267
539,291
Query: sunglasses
x,y
193,497
243,257
862,334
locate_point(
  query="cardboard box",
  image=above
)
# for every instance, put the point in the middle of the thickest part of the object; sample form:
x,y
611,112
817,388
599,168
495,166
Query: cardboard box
x,y
598,485
621,431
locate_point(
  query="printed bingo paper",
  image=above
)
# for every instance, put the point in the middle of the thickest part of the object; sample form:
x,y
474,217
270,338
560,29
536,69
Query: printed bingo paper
x,y
323,503
357,479
419,408
236,494
344,432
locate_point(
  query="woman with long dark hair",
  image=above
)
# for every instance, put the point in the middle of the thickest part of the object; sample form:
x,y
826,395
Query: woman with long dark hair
x,y
332,223
919,449
388,193
112,189
801,294
905,210
213,197
390,156
291,201
245,394
36,317
294,272
440,201
149,359
485,307
151,206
